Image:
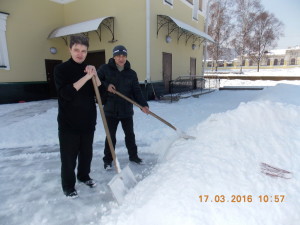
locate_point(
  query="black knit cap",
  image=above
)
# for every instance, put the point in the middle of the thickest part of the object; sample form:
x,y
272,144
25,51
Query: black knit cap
x,y
119,50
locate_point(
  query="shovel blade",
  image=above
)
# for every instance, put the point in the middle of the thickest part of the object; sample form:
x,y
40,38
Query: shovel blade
x,y
121,183
184,135
187,137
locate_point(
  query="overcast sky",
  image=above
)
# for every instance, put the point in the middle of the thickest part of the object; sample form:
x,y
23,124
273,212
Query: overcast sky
x,y
288,12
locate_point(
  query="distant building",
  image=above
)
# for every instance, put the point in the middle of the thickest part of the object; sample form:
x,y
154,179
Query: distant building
x,y
284,58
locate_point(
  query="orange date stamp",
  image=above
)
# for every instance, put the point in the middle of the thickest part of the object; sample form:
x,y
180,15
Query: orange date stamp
x,y
242,198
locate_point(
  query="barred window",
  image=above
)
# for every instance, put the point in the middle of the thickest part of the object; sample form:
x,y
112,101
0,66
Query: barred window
x,y
4,63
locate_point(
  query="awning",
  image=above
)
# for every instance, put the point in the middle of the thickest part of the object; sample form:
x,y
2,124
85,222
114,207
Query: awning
x,y
185,28
84,27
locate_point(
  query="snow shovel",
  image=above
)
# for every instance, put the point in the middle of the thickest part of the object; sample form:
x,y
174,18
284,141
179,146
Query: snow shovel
x,y
124,180
180,133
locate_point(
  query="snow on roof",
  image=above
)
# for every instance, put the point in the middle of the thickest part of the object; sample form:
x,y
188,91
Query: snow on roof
x,y
295,47
283,51
277,52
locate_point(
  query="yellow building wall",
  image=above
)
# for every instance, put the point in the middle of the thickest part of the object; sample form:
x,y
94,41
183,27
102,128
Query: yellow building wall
x,y
130,30
31,21
129,26
27,27
181,52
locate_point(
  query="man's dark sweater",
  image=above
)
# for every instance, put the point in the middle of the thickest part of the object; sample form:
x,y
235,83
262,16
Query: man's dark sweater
x,y
76,109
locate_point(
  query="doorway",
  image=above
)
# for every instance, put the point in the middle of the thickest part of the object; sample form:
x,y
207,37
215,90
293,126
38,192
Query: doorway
x,y
167,70
193,66
95,58
50,65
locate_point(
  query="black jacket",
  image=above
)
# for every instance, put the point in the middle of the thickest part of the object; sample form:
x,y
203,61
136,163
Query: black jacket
x,y
76,109
126,82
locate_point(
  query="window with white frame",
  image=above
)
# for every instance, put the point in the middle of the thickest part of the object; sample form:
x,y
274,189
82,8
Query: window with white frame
x,y
195,9
170,2
4,63
200,5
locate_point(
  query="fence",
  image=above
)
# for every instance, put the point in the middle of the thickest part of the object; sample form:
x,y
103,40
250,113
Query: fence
x,y
186,86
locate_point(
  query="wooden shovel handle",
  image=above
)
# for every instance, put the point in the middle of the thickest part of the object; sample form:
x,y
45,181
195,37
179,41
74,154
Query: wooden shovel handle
x,y
151,113
111,147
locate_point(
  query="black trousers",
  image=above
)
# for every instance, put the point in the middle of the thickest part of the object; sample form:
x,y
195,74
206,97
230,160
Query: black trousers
x,y
73,146
127,125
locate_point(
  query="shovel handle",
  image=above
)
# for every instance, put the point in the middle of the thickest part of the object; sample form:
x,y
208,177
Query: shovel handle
x,y
111,147
151,113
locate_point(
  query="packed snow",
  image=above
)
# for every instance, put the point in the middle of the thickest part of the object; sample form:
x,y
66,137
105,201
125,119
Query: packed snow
x,y
214,179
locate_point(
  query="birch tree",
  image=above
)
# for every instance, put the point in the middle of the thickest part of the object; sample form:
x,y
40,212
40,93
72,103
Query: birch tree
x,y
219,28
245,14
266,31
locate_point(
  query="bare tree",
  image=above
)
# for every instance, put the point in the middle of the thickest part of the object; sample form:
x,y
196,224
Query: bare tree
x,y
266,31
219,28
245,14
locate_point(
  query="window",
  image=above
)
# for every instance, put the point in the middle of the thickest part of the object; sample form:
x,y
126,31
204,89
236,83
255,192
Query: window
x,y
293,61
269,62
200,5
170,2
4,63
209,64
275,62
229,64
197,5
195,9
281,61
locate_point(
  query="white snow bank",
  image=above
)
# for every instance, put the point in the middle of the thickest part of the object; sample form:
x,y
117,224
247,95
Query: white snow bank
x,y
223,160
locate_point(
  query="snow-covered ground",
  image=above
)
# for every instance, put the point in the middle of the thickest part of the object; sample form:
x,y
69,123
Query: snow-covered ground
x,y
215,179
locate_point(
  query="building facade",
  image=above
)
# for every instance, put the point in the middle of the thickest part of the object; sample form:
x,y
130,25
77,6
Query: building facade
x,y
164,39
279,58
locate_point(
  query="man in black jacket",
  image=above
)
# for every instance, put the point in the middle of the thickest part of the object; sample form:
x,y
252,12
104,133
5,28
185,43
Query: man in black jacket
x,y
76,115
118,75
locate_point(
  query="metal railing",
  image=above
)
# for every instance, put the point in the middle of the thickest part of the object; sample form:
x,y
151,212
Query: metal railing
x,y
185,86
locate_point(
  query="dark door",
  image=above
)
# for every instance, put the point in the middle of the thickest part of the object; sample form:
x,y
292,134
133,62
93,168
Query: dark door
x,y
95,58
193,66
167,70
50,65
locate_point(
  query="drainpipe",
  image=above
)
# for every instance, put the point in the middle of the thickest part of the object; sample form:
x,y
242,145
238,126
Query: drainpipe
x,y
148,78
205,42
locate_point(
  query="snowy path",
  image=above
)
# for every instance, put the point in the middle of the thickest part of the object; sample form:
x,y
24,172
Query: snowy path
x,y
21,112
32,192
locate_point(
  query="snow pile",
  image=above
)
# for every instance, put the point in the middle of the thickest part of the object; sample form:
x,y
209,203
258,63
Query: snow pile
x,y
224,160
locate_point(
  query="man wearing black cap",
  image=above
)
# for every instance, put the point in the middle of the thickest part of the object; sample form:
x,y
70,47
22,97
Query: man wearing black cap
x,y
118,75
